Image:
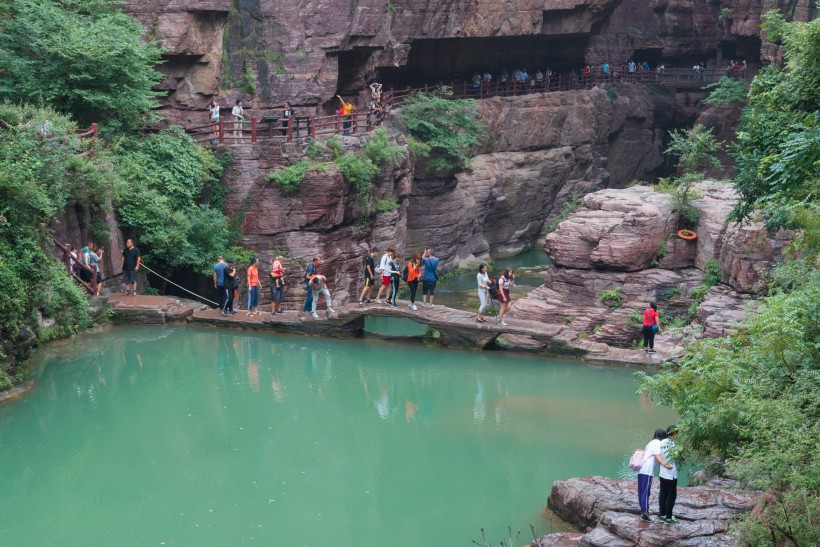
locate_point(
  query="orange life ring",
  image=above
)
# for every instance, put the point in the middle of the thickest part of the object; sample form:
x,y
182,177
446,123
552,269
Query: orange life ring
x,y
687,235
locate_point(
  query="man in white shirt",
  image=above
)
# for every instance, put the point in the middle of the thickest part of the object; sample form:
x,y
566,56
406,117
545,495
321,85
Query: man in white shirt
x,y
384,271
238,117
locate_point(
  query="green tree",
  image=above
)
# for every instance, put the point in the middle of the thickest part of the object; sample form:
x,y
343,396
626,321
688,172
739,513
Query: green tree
x,y
778,143
728,91
695,149
162,185
82,57
445,129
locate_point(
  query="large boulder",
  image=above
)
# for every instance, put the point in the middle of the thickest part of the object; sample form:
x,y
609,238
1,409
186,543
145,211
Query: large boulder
x,y
722,310
607,509
748,251
615,230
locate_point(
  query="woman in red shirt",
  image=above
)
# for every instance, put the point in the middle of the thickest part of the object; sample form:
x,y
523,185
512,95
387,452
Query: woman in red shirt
x,y
253,287
650,327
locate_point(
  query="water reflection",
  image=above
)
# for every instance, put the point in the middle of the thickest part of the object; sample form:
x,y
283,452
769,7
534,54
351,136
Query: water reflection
x,y
234,430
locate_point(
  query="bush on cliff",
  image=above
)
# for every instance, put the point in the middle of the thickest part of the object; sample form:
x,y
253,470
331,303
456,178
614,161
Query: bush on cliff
x,y
166,198
445,129
83,57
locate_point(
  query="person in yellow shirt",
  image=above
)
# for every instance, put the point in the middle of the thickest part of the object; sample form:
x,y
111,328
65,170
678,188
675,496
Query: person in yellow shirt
x,y
346,110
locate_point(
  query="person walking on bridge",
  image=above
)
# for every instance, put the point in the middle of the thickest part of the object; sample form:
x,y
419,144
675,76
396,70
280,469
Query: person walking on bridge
x,y
219,280
384,272
231,282
413,276
429,277
253,287
312,269
318,285
483,291
369,276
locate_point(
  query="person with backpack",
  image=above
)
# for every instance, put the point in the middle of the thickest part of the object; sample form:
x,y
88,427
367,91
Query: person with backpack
x,y
651,458
668,477
429,277
395,279
503,285
411,275
650,327
312,269
384,271
483,291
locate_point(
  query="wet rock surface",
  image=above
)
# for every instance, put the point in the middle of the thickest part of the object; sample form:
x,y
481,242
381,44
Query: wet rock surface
x,y
146,309
607,510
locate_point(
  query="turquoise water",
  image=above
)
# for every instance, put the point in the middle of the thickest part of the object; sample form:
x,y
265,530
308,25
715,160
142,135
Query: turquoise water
x,y
190,436
459,291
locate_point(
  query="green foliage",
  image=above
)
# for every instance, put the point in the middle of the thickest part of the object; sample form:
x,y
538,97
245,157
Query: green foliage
x,y
635,319
379,149
249,77
290,177
611,93
778,143
613,298
569,207
695,149
448,131
726,91
750,399
82,57
662,250
359,171
387,204
568,319
161,196
41,174
682,192
335,145
711,277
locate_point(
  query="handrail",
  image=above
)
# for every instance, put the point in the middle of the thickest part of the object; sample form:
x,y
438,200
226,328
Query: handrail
x,y
91,287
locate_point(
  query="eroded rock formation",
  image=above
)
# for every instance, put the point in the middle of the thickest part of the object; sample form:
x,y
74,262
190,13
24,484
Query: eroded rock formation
x,y
607,511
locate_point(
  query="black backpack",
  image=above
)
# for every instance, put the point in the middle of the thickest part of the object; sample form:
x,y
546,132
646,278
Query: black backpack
x,y
493,287
405,273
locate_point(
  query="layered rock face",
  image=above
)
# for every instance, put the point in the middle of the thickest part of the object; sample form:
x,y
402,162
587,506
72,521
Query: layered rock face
x,y
626,241
545,149
307,51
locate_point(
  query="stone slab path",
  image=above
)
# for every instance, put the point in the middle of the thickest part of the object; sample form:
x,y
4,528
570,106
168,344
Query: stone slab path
x,y
456,328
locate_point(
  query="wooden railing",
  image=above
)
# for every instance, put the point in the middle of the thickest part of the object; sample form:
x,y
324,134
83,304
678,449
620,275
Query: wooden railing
x,y
292,129
74,264
673,77
304,128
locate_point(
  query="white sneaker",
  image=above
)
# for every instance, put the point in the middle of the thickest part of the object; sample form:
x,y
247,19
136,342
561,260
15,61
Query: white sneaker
x,y
413,307
502,323
330,310
315,315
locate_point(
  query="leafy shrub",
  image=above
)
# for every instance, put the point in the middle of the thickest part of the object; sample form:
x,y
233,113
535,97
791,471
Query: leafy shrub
x,y
711,277
387,204
161,197
290,177
695,149
379,149
83,57
448,129
613,298
635,319
727,91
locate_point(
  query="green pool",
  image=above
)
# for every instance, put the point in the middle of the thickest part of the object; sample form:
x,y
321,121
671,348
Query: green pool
x,y
188,436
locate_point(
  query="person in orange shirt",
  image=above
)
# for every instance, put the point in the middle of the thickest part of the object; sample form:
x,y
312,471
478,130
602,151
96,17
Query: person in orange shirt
x,y
413,277
253,287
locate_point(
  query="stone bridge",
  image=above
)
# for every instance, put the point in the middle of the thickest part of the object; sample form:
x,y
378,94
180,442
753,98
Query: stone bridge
x,y
456,328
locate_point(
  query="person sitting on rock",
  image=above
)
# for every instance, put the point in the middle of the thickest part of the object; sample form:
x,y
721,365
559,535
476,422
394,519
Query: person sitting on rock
x,y
318,285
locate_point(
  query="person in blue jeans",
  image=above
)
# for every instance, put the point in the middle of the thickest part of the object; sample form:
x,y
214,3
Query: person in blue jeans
x,y
429,277
312,269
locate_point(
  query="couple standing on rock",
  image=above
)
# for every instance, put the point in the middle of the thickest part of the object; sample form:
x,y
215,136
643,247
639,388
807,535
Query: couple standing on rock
x,y
659,451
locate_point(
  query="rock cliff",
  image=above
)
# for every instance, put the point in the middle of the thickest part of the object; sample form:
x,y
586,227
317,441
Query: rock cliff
x,y
621,250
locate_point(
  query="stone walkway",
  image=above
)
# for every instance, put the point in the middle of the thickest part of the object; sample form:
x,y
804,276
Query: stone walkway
x,y
456,328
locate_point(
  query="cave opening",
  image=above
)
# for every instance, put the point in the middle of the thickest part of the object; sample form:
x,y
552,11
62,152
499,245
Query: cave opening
x,y
456,59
